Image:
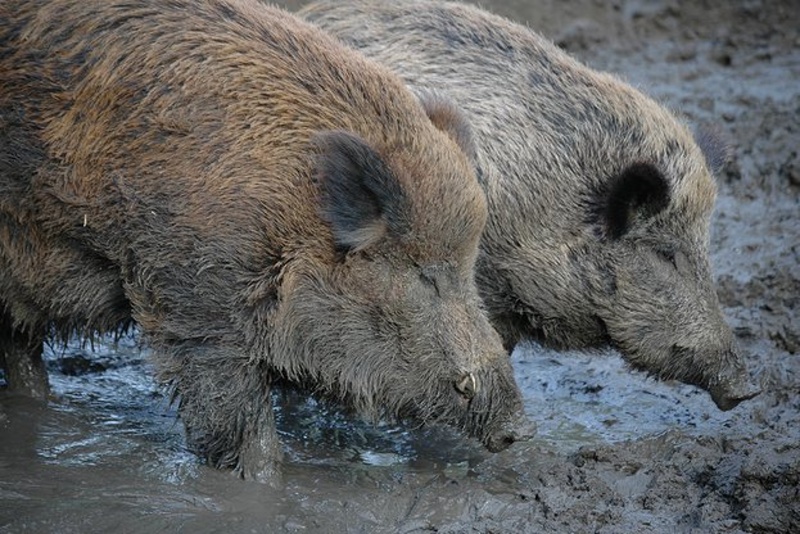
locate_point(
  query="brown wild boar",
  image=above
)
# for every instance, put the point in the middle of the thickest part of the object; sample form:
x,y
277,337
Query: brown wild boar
x,y
264,203
599,199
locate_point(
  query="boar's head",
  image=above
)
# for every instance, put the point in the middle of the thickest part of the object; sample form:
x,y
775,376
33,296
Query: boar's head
x,y
611,244
394,326
660,307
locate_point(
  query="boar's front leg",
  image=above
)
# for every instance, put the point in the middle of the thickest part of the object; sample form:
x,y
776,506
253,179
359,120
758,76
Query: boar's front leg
x,y
21,360
224,401
261,452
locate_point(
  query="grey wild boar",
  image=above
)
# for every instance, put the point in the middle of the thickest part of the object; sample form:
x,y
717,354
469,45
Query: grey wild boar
x,y
599,199
262,202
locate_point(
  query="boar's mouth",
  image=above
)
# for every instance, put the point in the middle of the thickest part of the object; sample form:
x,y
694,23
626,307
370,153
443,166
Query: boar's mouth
x,y
495,438
726,402
728,394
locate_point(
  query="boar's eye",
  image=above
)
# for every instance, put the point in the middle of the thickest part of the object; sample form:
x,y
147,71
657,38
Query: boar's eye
x,y
668,256
430,279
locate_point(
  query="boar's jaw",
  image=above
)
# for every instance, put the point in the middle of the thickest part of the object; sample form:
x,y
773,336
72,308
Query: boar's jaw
x,y
475,418
728,398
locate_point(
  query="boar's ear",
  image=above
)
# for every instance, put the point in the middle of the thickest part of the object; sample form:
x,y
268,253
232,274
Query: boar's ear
x,y
444,114
360,197
715,145
638,192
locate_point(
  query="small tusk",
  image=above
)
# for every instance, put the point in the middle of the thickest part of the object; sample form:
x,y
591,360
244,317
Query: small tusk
x,y
466,386
474,382
85,220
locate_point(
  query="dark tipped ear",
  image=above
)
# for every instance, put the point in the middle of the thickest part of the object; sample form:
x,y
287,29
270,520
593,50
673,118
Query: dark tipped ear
x,y
444,114
715,145
360,197
637,193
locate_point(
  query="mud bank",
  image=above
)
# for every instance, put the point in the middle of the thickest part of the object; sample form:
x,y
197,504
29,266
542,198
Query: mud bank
x,y
616,451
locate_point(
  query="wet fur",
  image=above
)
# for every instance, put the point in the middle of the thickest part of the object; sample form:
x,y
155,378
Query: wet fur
x,y
262,202
599,198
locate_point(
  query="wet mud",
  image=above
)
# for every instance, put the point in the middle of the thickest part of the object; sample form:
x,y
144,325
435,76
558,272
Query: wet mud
x,y
616,451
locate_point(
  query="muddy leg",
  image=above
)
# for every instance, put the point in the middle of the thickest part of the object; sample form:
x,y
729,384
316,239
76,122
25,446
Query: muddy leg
x,y
21,360
226,407
261,449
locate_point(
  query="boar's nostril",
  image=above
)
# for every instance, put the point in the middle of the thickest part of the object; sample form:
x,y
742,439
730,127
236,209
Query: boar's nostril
x,y
501,442
467,385
520,429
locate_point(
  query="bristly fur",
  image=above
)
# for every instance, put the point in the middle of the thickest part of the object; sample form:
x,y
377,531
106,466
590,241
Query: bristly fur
x,y
600,199
159,165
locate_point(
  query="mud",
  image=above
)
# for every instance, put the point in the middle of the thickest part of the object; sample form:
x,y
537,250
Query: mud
x,y
616,451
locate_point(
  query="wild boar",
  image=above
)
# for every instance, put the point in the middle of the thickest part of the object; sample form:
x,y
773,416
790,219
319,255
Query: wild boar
x,y
600,200
264,203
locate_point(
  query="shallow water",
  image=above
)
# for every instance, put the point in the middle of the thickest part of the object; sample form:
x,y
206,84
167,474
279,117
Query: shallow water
x,y
108,453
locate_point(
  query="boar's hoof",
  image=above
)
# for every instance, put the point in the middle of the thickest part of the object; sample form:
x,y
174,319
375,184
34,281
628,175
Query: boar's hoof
x,y
518,430
727,397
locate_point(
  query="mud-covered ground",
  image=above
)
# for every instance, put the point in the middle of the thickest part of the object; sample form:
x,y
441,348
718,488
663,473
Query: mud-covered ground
x,y
616,452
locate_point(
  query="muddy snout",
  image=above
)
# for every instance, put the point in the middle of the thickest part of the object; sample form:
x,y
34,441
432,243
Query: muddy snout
x,y
727,395
733,385
518,429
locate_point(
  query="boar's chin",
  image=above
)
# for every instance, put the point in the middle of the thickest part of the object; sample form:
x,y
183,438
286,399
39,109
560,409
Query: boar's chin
x,y
573,333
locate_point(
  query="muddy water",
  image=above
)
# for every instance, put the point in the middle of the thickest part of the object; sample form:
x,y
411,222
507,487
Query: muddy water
x,y
615,452
107,453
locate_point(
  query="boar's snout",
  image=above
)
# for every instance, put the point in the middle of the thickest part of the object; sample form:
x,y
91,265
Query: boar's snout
x,y
727,393
517,429
733,383
722,373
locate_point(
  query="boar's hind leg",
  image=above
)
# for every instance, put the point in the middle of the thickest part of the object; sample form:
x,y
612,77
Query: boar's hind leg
x,y
21,360
226,407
